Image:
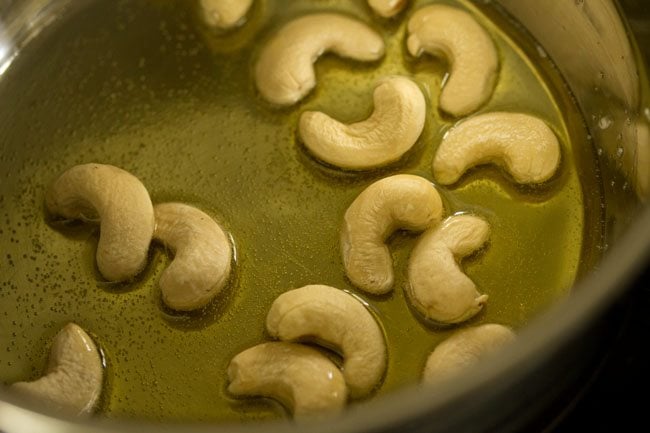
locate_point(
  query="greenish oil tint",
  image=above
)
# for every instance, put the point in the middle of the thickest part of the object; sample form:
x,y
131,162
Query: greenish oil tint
x,y
142,85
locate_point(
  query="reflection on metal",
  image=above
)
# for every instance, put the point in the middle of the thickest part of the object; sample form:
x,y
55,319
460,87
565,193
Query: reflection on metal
x,y
5,58
599,53
591,46
21,21
5,50
643,159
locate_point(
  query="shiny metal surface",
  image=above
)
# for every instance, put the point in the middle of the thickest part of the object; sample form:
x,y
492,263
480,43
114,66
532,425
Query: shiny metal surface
x,y
590,43
609,80
21,21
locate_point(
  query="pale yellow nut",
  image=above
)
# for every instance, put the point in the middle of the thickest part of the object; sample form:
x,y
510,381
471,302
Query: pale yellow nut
x,y
454,34
224,14
402,201
464,349
284,71
391,130
521,144
299,377
72,383
202,256
387,8
122,205
437,287
338,320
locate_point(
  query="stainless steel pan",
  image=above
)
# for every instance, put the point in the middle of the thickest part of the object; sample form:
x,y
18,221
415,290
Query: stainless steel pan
x,y
595,51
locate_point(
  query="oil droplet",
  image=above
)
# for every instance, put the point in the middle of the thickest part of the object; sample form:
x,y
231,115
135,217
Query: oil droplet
x,y
605,122
619,152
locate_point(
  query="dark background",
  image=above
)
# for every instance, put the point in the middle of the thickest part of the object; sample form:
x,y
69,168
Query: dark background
x,y
616,399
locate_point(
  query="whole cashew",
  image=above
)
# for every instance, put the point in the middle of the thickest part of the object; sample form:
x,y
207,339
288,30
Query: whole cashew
x,y
453,33
224,14
299,377
401,201
336,319
522,144
437,287
284,72
390,131
122,204
202,256
73,380
463,349
387,8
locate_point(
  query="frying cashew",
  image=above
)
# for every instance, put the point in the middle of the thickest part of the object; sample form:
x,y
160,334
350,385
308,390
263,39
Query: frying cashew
x,y
389,132
203,255
299,377
335,319
463,349
121,203
387,8
225,14
524,145
454,34
437,287
401,201
284,72
73,380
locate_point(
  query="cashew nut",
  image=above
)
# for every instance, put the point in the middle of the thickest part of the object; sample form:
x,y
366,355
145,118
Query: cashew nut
x,y
202,256
437,287
463,349
299,377
284,72
224,14
454,34
73,380
401,201
387,8
389,132
336,319
524,145
122,204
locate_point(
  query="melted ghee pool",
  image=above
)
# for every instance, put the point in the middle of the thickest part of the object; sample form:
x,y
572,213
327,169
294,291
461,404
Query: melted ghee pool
x,y
140,85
